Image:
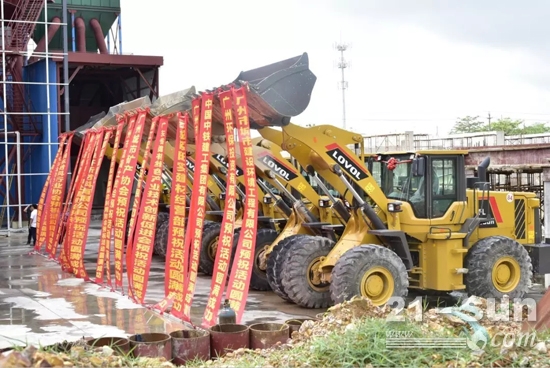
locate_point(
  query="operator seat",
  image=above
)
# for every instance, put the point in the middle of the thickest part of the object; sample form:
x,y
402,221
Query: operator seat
x,y
417,200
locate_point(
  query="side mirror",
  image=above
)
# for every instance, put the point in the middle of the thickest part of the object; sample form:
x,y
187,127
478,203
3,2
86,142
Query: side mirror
x,y
419,166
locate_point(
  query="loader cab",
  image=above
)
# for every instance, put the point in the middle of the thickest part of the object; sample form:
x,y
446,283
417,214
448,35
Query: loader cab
x,y
430,181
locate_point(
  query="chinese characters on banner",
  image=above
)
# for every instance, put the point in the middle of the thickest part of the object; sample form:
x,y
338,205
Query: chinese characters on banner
x,y
175,257
103,256
57,194
76,172
225,242
76,221
198,198
136,206
122,201
237,290
147,217
44,201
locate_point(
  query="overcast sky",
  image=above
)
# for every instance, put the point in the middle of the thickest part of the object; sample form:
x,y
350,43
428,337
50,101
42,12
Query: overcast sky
x,y
415,64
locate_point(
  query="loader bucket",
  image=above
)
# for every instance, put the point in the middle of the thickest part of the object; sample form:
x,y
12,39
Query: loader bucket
x,y
542,322
278,91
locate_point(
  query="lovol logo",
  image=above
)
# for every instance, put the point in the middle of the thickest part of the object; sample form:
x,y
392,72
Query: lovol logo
x,y
221,160
278,168
190,165
346,163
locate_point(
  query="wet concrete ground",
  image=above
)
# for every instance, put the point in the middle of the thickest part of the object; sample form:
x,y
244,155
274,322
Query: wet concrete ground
x,y
42,305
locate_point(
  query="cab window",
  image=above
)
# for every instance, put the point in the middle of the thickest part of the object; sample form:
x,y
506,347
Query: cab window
x,y
445,190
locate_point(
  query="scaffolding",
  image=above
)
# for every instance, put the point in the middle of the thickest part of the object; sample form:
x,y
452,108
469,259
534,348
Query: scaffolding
x,y
30,113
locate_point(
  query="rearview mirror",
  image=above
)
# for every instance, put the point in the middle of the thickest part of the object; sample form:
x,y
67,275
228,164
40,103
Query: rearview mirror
x,y
419,166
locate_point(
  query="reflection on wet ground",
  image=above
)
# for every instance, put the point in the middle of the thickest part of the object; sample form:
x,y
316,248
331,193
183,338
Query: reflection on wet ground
x,y
40,304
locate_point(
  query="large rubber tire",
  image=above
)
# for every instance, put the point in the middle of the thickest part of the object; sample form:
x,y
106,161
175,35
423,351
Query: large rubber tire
x,y
162,217
161,239
352,270
258,277
275,262
209,243
483,257
296,272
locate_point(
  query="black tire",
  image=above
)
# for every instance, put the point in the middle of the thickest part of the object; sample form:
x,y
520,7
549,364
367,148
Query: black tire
x,y
296,272
161,239
480,262
275,262
162,217
209,244
258,278
348,273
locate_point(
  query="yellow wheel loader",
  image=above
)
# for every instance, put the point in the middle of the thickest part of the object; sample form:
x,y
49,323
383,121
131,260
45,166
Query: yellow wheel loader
x,y
311,213
451,234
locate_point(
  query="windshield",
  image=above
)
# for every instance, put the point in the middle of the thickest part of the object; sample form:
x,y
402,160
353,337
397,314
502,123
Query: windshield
x,y
397,183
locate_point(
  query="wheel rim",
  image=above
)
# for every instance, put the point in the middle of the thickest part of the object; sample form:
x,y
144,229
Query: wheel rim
x,y
260,254
377,284
506,274
213,248
313,276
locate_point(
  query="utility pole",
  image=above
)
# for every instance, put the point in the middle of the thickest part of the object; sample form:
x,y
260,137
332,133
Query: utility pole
x,y
489,119
342,65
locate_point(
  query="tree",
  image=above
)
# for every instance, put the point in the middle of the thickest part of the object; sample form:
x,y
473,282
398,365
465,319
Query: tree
x,y
509,126
469,124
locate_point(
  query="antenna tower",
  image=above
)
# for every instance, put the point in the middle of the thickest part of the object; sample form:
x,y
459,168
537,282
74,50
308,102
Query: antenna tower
x,y
343,84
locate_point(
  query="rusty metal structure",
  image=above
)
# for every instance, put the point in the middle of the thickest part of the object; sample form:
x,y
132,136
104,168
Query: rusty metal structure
x,y
62,62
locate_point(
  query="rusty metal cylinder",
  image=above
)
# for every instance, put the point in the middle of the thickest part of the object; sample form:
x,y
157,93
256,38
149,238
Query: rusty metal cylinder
x,y
227,338
119,344
266,335
295,323
190,344
152,345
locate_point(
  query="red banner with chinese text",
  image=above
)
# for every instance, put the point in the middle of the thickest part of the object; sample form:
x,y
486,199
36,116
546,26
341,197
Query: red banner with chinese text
x,y
225,242
103,256
43,203
76,220
76,173
198,197
113,209
89,191
147,218
128,170
175,257
58,194
136,206
239,281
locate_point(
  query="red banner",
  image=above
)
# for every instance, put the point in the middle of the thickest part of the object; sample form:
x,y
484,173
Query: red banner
x,y
113,210
198,197
147,218
175,257
225,242
76,172
43,203
136,206
89,191
125,192
103,256
77,221
244,257
58,194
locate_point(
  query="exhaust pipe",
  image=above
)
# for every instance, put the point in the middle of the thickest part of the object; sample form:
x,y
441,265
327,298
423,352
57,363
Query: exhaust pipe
x,y
482,169
80,34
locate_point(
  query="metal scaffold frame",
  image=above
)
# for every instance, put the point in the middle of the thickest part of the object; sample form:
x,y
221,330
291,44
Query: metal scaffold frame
x,y
19,115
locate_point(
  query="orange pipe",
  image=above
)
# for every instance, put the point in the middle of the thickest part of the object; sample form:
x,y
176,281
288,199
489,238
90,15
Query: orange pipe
x,y
80,26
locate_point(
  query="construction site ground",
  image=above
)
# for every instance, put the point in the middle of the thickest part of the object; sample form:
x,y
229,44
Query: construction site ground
x,y
41,305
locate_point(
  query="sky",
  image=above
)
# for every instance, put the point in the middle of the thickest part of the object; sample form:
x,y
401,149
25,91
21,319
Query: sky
x,y
414,64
